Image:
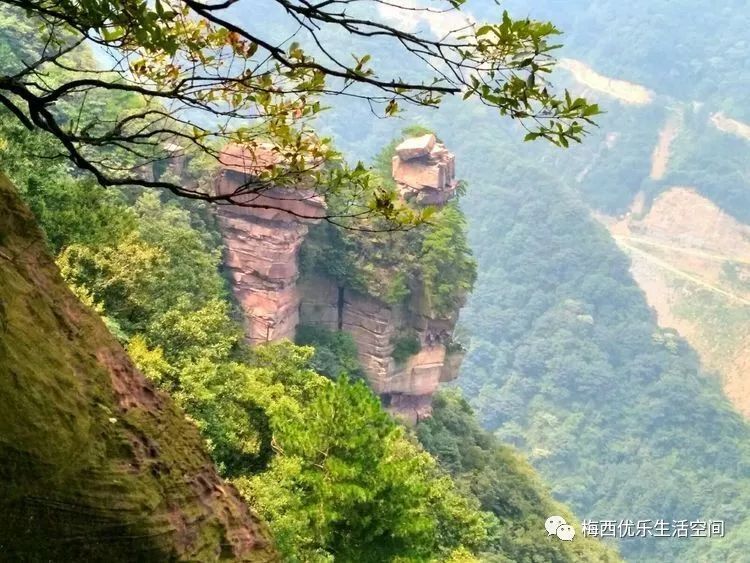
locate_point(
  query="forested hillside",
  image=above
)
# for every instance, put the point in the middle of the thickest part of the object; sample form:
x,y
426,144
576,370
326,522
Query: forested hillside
x,y
693,75
566,365
566,360
692,50
318,458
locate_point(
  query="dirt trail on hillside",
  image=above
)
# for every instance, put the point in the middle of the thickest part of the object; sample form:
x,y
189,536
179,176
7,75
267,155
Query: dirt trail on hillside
x,y
661,154
692,261
626,92
623,242
683,250
731,126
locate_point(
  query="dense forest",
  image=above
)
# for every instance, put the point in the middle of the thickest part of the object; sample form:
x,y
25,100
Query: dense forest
x,y
566,360
566,366
316,456
573,369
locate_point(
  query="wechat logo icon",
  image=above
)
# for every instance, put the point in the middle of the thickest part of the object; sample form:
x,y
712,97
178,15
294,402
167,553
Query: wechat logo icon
x,y
556,526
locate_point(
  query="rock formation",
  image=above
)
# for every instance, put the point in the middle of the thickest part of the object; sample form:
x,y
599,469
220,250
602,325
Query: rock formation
x,y
262,249
425,170
262,238
407,387
95,464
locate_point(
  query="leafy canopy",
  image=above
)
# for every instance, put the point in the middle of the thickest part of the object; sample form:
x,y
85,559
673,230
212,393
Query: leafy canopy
x,y
181,78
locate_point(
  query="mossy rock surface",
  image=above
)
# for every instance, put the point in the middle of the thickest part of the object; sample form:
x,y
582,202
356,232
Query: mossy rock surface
x,y
95,465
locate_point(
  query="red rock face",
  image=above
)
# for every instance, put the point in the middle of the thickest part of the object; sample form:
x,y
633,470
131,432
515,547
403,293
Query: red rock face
x,y
407,387
263,238
261,257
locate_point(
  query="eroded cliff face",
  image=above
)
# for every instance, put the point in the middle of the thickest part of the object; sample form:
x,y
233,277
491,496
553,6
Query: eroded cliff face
x,y
95,464
262,242
262,258
406,387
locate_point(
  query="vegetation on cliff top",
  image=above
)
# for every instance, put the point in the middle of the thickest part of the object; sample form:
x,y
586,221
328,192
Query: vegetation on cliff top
x,y
430,265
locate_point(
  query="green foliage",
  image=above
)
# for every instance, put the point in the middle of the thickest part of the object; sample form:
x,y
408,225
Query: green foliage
x,y
713,162
167,84
405,345
504,484
619,40
567,362
80,460
71,210
321,461
334,475
391,501
335,352
398,290
329,251
706,77
447,268
164,264
431,262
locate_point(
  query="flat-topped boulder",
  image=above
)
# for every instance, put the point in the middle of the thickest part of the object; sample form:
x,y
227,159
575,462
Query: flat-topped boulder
x,y
424,170
240,168
416,147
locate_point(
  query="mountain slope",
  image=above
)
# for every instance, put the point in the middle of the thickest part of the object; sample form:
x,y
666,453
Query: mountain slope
x,y
94,463
568,363
690,259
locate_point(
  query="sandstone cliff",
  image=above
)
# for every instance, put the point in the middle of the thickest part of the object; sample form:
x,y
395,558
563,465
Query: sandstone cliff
x,y
262,240
406,387
95,464
262,258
